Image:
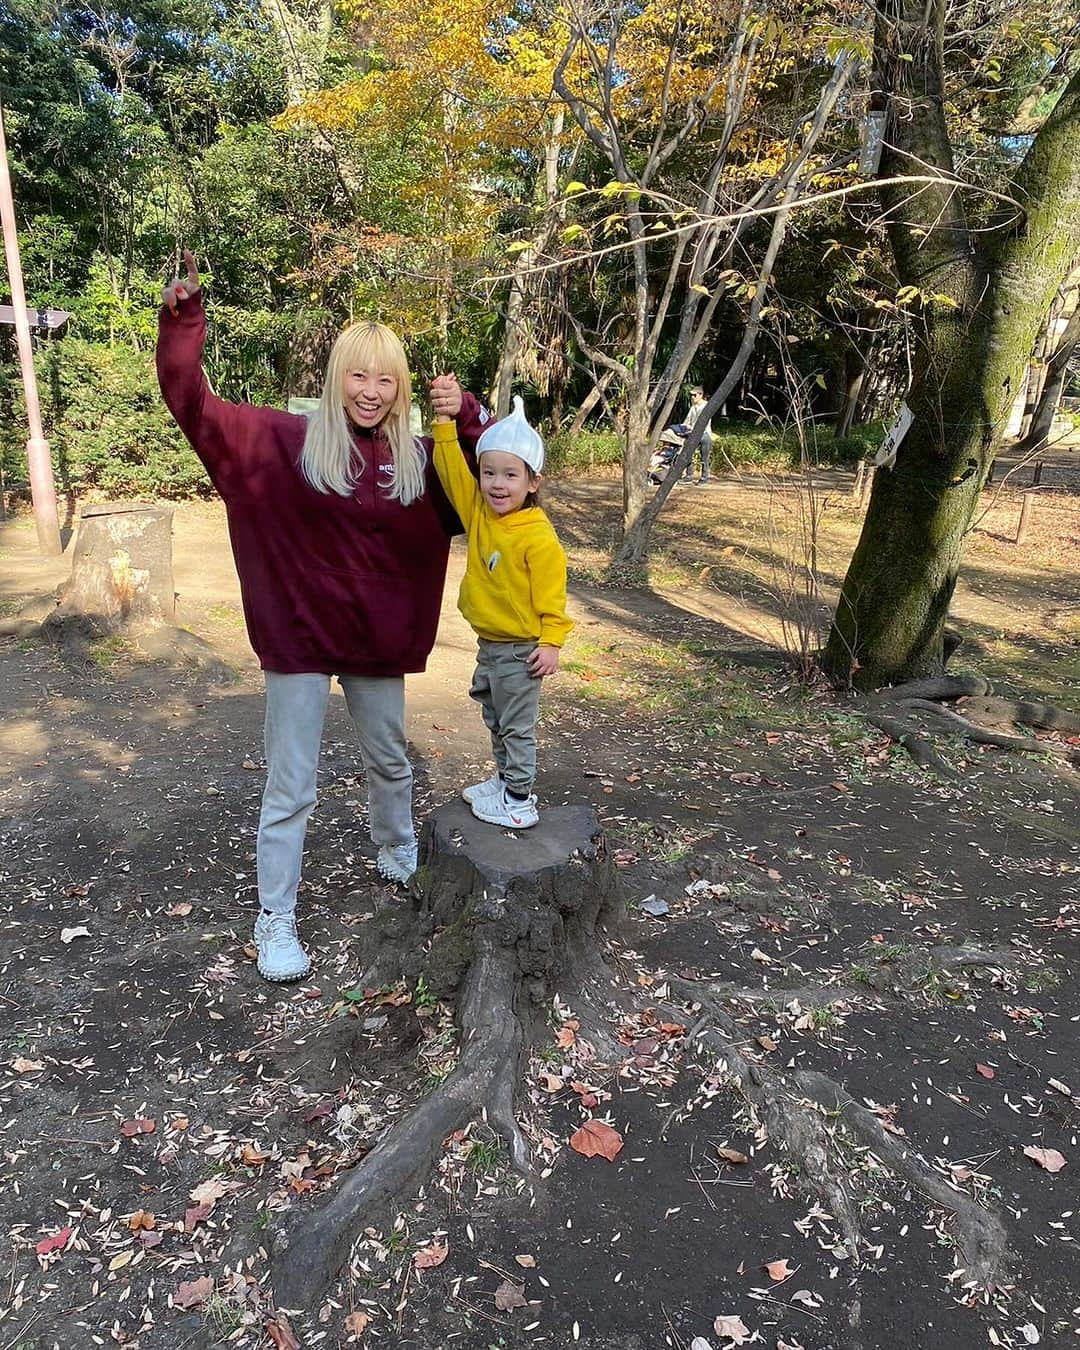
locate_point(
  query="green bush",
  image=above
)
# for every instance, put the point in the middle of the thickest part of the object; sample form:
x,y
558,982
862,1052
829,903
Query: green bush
x,y
736,445
106,423
583,451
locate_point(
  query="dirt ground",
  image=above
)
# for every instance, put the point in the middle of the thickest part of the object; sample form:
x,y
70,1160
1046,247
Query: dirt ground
x,y
161,1106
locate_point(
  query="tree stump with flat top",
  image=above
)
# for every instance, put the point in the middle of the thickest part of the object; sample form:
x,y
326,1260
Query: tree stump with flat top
x,y
503,920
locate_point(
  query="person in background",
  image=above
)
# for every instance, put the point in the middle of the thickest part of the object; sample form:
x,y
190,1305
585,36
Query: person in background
x,y
697,407
340,531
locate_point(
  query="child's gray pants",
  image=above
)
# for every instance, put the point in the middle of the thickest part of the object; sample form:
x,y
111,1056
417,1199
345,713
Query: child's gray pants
x,y
510,700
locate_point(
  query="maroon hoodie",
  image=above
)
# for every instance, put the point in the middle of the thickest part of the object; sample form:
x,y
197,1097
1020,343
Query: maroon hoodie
x,y
331,584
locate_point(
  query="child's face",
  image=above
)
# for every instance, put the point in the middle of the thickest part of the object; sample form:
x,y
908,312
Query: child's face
x,y
369,395
505,481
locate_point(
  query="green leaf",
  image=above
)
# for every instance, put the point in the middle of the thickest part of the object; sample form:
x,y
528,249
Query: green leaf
x,y
572,232
573,188
518,246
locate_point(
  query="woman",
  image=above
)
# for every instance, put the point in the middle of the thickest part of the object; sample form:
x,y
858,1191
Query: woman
x,y
340,532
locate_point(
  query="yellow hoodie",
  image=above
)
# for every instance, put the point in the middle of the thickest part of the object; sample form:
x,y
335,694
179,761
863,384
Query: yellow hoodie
x,y
514,587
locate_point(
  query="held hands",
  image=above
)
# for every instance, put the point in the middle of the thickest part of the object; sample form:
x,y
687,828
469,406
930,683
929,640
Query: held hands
x,y
182,288
445,396
543,661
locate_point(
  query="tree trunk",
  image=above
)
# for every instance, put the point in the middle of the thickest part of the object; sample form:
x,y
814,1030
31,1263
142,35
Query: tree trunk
x,y
969,359
589,402
854,373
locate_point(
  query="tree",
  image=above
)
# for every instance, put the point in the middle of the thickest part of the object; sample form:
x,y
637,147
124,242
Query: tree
x,y
703,152
978,292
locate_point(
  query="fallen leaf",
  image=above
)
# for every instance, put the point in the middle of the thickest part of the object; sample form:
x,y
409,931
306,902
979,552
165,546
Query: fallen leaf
x,y
433,1255
733,1327
358,1322
1048,1158
551,1082
180,910
984,1071
130,1128
281,1334
70,934
194,1216
509,1296
525,1261
251,1157
732,1155
779,1270
208,1191
56,1243
841,787
597,1138
141,1219
193,1293
150,1239
758,955
23,1065
567,1034
121,1259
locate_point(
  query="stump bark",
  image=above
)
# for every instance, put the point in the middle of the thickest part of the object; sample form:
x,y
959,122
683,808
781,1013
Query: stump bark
x,y
504,920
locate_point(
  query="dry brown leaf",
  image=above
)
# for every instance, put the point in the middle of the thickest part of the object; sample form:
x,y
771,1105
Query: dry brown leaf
x,y
526,1261
130,1128
194,1216
984,1071
208,1191
733,1327
779,1270
551,1082
597,1139
732,1155
140,1219
281,1334
251,1156
1048,1158
567,1034
23,1065
509,1296
433,1255
358,1322
193,1293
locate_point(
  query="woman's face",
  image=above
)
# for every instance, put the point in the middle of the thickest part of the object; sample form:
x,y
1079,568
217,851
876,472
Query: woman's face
x,y
369,395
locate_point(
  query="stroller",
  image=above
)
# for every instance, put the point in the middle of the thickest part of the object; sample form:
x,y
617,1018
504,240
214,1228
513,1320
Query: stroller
x,y
667,448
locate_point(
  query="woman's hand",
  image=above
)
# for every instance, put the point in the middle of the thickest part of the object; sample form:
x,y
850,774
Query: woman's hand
x,y
543,661
445,396
182,288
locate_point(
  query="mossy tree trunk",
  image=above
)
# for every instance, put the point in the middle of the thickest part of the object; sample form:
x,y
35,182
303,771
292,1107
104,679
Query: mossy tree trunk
x,y
985,296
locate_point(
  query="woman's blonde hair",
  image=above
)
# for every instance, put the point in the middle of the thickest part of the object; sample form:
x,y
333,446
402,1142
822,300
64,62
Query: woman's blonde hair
x,y
330,460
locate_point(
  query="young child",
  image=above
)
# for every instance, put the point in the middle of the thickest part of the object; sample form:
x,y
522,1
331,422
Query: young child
x,y
514,596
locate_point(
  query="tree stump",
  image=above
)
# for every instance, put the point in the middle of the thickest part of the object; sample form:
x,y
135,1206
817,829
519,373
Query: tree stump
x,y
121,570
504,920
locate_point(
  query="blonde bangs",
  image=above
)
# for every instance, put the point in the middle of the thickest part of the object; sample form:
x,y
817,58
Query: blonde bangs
x,y
330,460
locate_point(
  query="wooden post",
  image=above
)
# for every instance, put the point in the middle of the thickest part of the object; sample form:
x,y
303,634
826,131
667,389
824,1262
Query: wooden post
x,y
1027,504
42,486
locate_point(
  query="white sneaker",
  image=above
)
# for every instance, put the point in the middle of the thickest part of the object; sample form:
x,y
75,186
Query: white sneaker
x,y
397,862
485,789
281,957
499,808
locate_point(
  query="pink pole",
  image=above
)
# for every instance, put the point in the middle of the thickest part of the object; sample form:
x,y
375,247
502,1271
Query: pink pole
x,y
42,486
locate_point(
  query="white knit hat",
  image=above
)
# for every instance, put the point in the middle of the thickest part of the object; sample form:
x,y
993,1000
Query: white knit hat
x,y
514,436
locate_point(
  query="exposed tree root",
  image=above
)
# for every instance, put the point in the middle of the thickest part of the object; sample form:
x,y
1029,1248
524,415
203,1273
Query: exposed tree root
x,y
501,919
893,711
483,1080
795,1109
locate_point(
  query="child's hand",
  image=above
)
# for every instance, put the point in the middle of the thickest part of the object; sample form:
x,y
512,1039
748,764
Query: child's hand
x,y
445,396
543,661
181,288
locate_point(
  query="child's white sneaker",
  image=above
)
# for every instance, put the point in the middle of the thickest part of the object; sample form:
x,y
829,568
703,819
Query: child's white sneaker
x,y
499,808
397,862
485,789
280,956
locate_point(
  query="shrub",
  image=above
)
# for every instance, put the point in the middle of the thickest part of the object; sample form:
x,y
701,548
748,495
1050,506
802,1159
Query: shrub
x,y
583,451
106,423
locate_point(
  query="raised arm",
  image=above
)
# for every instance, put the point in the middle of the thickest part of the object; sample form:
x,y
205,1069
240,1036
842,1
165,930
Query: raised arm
x,y
454,474
218,431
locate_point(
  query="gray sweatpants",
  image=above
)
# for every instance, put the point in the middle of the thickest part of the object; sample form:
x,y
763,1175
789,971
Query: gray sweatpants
x,y
509,698
295,710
